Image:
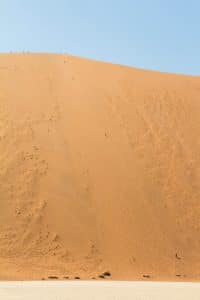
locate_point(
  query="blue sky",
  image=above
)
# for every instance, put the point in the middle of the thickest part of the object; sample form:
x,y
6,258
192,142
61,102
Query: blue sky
x,y
152,34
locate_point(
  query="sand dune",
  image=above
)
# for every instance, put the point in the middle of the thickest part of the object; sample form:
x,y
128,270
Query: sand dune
x,y
99,170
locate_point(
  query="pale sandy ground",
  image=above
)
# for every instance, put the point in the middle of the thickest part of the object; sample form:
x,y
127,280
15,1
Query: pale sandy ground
x,y
99,170
87,290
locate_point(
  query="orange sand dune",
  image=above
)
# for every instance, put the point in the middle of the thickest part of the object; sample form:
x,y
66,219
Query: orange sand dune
x,y
99,170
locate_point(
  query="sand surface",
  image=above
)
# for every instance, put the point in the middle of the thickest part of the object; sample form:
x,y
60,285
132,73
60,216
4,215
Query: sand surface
x,y
99,170
87,290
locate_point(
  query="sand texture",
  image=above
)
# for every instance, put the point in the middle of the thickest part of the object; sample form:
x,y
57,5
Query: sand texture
x,y
99,170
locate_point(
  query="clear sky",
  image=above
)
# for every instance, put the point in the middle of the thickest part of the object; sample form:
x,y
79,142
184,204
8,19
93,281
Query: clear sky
x,y
152,34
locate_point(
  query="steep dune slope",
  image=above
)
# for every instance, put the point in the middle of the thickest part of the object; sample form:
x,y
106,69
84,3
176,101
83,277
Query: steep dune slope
x,y
99,170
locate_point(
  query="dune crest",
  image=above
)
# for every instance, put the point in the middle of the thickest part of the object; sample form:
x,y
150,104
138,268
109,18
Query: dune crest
x,y
99,170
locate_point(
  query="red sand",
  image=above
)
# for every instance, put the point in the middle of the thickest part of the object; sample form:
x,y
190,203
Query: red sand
x,y
99,170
